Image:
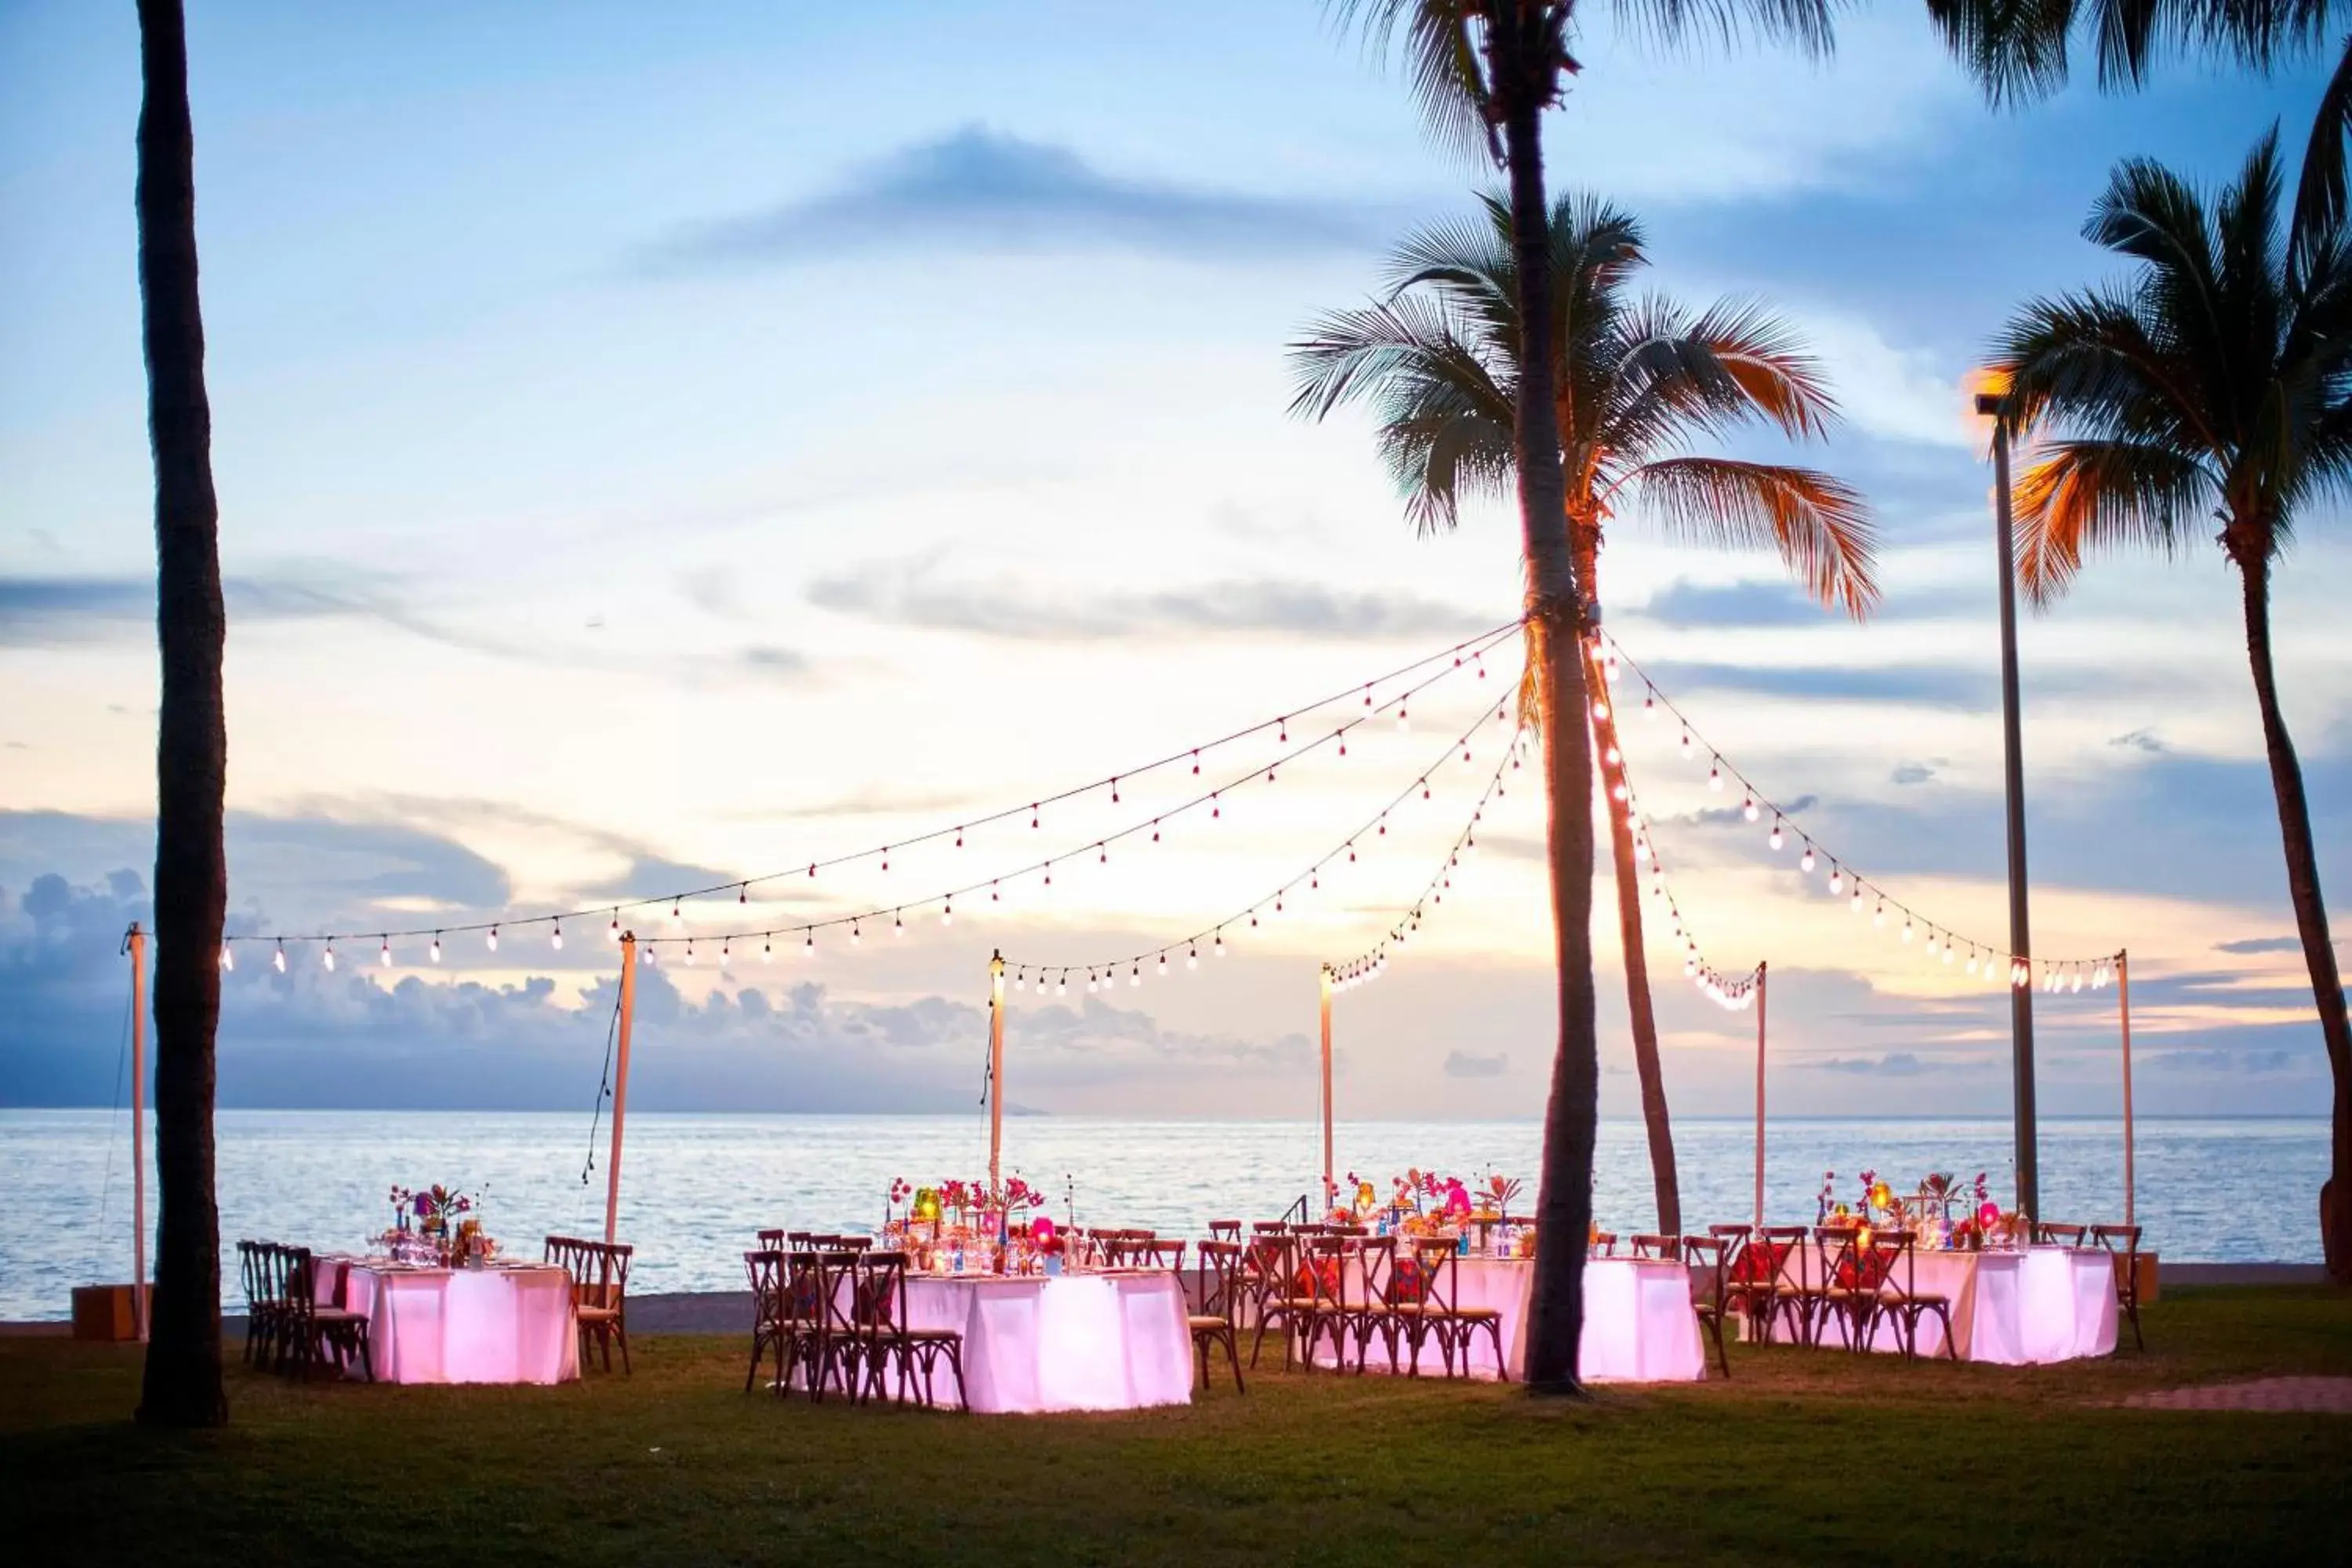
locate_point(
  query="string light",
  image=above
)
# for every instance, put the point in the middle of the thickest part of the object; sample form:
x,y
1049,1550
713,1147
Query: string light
x,y
383,954
228,956
555,940
437,947
330,955
280,959
494,939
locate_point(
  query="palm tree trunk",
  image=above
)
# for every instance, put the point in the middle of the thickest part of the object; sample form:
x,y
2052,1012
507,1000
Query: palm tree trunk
x,y
1522,69
1647,1068
182,1382
2310,919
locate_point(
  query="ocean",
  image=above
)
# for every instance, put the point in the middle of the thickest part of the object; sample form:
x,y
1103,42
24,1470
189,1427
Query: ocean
x,y
694,1188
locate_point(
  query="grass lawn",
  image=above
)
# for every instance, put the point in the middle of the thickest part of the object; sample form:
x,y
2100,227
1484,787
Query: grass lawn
x,y
1807,1457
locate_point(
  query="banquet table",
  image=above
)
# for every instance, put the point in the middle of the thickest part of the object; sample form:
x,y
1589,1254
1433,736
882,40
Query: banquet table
x,y
2013,1308
1116,1340
504,1323
1638,1322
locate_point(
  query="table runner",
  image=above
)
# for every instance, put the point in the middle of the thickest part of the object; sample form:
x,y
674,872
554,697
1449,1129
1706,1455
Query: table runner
x,y
460,1325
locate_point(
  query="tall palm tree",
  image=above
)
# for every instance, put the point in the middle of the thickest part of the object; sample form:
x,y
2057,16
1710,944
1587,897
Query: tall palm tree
x,y
1485,71
2215,385
1635,379
182,1382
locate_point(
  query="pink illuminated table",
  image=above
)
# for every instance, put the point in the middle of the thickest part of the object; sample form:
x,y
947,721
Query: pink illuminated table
x,y
1638,1322
498,1324
1115,1341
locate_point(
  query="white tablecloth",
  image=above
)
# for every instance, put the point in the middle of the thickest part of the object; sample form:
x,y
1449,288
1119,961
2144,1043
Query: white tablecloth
x,y
1638,1322
2013,1308
460,1325
1077,1342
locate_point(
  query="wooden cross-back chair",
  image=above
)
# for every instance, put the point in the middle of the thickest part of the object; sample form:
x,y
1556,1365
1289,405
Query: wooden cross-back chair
x,y
313,1331
1270,1290
894,1356
1713,1294
599,1271
1217,1322
1441,1312
2122,1242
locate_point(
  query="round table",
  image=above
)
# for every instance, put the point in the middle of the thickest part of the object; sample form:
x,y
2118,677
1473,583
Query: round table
x,y
1111,1341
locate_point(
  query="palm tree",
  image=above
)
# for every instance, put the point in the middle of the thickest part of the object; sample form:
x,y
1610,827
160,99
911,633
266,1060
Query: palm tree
x,y
2215,385
182,1382
1635,379
1485,71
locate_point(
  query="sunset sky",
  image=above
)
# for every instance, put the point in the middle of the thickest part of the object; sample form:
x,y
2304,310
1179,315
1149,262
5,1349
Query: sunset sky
x,y
664,446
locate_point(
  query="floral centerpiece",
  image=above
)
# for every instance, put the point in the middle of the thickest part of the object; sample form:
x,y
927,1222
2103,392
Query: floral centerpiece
x,y
445,1230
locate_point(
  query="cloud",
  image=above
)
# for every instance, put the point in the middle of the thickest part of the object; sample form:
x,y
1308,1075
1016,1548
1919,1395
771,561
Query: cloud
x,y
777,663
2141,741
1909,772
2261,944
1893,1063
977,190
1683,604
1463,1064
2251,1063
1965,690
911,593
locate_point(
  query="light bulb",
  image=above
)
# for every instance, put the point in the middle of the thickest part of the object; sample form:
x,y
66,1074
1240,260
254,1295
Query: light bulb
x,y
1690,966
1748,809
808,947
677,912
1193,959
331,955
1163,964
1135,976
1806,863
947,915
767,951
384,953
1640,849
1906,929
1090,980
897,926
617,925
229,959
1618,792
1972,961
1856,904
1403,724
689,952
1714,778
1613,756
1948,952
1061,986
494,939
1219,949
1879,918
1649,707
1687,743
436,949
1776,840
1020,982
280,959
855,936
556,940
1601,711
1837,880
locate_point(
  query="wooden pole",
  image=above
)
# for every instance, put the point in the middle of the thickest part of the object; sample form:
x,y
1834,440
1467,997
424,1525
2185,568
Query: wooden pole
x,y
2123,991
1761,970
1328,1189
137,943
995,1069
2021,941
620,1085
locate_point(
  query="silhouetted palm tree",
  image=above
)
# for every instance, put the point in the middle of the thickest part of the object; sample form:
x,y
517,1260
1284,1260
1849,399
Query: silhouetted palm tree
x,y
183,1383
1636,381
1485,71
2215,386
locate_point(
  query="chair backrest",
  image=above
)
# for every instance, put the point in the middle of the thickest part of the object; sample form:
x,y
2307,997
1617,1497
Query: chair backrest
x,y
1604,1244
1225,1230
298,1281
1741,1265
766,1270
1886,1261
248,1270
1269,1226
1376,1271
1220,1278
1709,1257
772,1240
801,1301
1657,1246
1270,1264
1155,1254
2122,1242
878,1301
1786,1259
1323,1271
835,1307
2049,1233
1434,1278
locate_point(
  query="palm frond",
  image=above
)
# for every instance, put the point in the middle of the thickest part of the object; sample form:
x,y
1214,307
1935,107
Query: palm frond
x,y
1384,350
2320,192
1442,65
2082,495
1818,525
1806,23
2017,50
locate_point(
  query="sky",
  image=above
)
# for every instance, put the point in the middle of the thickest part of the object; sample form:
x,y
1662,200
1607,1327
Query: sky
x,y
681,443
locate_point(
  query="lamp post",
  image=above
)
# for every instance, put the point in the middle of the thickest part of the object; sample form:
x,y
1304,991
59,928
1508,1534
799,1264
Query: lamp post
x,y
1991,406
